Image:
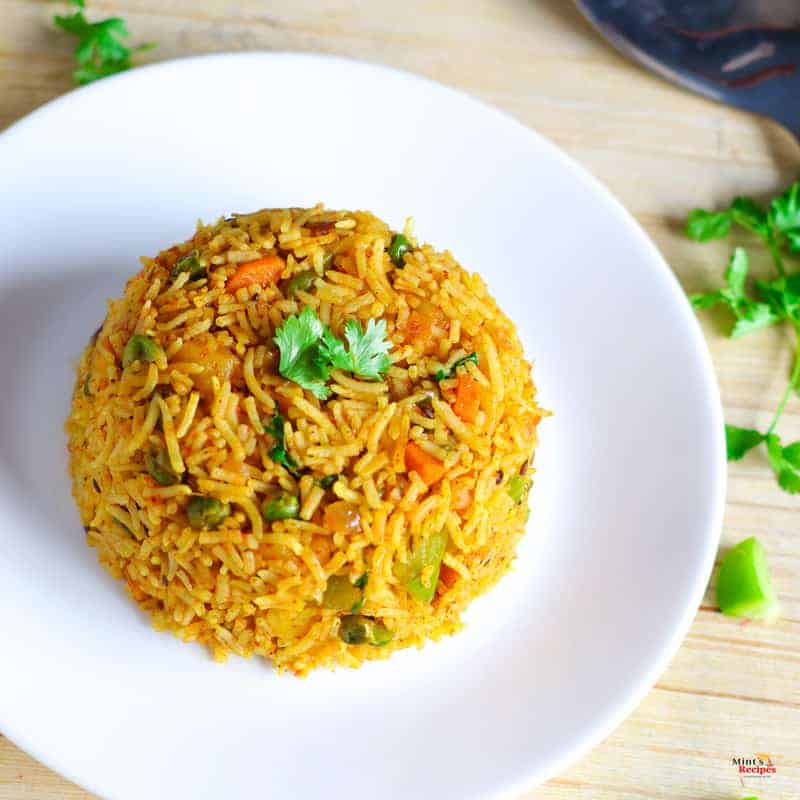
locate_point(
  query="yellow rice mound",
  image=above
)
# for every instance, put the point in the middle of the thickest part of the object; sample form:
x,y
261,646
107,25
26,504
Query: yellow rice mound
x,y
205,402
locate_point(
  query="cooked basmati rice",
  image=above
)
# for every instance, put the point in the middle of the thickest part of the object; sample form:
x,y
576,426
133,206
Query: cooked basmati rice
x,y
205,402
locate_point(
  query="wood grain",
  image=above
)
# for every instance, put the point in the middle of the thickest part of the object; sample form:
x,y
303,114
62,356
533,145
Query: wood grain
x,y
733,689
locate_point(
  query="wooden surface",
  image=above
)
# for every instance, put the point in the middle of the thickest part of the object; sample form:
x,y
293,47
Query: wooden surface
x,y
733,689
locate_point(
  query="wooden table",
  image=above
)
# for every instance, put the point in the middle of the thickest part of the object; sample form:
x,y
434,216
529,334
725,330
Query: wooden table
x,y
733,689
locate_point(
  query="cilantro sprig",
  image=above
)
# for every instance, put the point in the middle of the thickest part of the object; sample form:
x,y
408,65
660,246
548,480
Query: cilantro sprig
x,y
775,301
309,351
100,51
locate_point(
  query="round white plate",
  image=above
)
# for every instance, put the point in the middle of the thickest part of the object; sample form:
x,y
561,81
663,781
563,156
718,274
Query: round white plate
x,y
630,484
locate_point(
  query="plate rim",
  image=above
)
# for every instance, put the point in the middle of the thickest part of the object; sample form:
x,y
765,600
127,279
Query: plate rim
x,y
639,689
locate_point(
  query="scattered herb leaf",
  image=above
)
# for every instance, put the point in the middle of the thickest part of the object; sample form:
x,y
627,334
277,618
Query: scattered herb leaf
x,y
278,453
100,51
740,441
442,374
361,583
327,481
778,300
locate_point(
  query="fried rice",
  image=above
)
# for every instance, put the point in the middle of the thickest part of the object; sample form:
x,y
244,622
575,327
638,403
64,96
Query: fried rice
x,y
314,528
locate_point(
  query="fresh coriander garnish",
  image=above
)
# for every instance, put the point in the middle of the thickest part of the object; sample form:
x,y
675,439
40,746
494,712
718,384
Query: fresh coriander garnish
x,y
278,453
451,373
100,51
309,351
775,301
367,349
751,315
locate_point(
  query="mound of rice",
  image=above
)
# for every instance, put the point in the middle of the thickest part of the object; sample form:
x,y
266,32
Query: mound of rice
x,y
406,494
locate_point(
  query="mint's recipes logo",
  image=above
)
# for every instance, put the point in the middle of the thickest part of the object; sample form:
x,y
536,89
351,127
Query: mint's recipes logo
x,y
758,765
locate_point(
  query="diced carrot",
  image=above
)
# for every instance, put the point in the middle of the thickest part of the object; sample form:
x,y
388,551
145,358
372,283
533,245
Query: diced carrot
x,y
468,397
448,576
263,271
430,469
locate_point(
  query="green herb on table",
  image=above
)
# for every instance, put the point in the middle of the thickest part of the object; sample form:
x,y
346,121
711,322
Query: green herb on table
x,y
309,351
771,302
100,51
744,585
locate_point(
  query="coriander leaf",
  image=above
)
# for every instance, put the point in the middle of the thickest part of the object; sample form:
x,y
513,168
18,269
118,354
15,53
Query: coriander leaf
x,y
756,317
775,452
309,350
703,226
791,454
736,274
327,481
442,374
100,51
333,350
362,581
700,301
278,453
783,294
301,360
788,478
750,314
740,440
747,213
789,481
368,349
785,215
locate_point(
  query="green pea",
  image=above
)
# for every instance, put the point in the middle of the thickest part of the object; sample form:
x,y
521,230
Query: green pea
x,y
357,629
140,348
206,513
281,506
398,249
341,595
191,263
518,488
157,464
301,282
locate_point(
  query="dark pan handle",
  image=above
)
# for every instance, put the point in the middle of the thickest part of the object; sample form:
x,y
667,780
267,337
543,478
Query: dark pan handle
x,y
742,52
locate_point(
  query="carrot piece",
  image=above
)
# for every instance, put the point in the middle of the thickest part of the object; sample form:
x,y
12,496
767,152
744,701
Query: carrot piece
x,y
430,469
263,271
468,397
448,576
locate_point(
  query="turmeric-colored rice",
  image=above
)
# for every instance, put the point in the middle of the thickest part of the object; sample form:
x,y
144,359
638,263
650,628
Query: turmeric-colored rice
x,y
407,458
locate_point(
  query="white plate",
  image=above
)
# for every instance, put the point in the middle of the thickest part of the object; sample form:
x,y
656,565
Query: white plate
x,y
630,484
